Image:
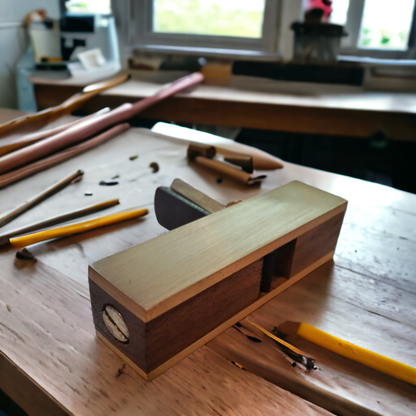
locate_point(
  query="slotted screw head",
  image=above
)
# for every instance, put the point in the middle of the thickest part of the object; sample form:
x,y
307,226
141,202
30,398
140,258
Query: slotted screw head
x,y
115,323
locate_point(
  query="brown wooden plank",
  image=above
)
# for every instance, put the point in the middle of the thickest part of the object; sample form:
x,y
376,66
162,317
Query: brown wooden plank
x,y
258,112
22,390
151,344
316,243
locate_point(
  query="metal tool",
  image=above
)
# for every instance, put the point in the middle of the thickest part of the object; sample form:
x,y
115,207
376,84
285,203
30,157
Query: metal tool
x,y
116,324
294,353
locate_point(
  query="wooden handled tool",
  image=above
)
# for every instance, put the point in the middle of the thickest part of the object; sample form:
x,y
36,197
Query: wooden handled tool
x,y
211,280
35,200
226,147
68,216
203,155
81,227
41,118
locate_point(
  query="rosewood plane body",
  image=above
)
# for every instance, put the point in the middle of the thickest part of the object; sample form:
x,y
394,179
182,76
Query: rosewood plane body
x,y
176,292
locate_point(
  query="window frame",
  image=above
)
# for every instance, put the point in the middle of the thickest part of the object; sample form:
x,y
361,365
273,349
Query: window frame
x,y
134,19
349,45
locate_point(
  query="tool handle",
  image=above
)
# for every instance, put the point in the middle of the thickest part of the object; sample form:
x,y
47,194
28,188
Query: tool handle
x,y
81,227
361,355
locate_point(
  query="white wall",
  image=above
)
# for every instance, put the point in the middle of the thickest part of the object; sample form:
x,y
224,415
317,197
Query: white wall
x,y
13,41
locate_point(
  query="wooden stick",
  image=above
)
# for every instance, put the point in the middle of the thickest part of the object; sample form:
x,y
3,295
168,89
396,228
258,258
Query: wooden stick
x,y
245,162
77,133
44,117
237,174
81,227
35,200
60,157
34,137
90,127
68,216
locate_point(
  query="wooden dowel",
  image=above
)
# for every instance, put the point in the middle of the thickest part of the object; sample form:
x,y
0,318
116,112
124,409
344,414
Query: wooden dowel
x,y
75,134
197,149
68,216
41,118
245,162
28,139
237,174
16,175
81,227
9,216
88,128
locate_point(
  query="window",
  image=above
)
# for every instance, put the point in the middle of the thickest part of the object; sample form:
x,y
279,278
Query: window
x,y
386,24
379,28
235,18
261,28
88,6
233,27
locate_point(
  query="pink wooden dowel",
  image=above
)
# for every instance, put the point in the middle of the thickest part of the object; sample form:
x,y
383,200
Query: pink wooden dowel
x,y
90,127
51,132
15,175
15,142
70,136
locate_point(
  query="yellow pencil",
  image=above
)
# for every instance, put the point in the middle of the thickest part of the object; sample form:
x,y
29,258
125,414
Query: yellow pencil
x,y
353,352
80,227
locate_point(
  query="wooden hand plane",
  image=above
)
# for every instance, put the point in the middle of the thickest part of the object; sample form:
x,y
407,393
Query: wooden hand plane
x,y
157,302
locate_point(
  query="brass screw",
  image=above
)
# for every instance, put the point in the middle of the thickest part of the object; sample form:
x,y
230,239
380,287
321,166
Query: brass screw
x,y
115,323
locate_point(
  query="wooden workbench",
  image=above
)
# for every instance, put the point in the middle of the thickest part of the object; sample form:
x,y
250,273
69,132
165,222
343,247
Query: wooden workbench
x,y
51,361
255,103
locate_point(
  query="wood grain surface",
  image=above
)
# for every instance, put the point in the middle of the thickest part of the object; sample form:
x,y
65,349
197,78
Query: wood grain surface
x,y
235,237
46,328
153,343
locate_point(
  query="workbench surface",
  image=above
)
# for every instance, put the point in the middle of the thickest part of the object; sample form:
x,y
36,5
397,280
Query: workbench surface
x,y
258,103
51,361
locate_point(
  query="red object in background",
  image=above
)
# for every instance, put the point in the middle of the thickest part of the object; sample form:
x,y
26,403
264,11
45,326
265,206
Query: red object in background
x,y
325,5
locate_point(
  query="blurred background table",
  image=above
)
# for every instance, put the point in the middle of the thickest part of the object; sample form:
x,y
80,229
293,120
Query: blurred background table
x,y
255,103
